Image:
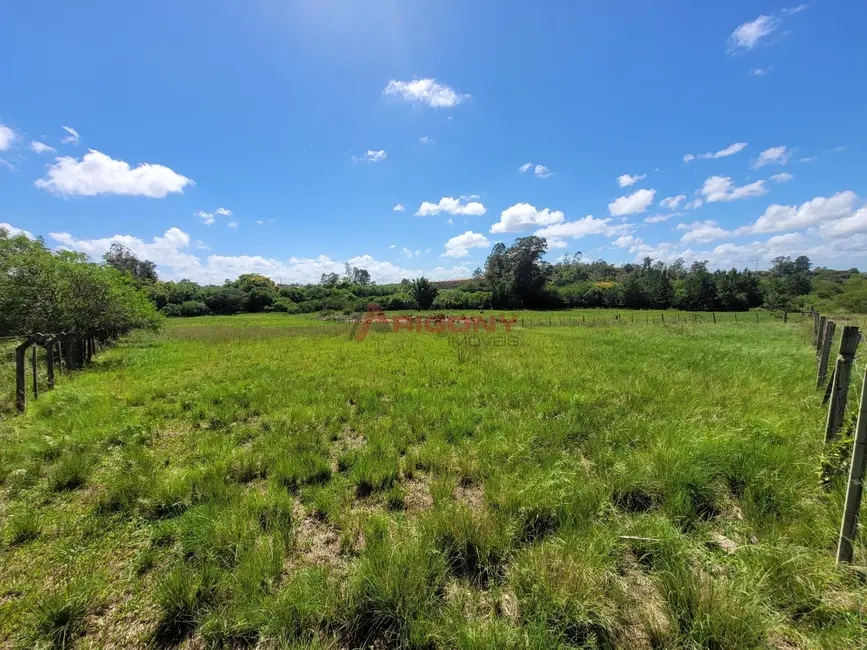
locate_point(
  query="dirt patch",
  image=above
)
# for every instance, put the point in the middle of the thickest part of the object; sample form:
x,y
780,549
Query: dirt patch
x,y
721,541
472,494
645,622
418,497
348,441
316,543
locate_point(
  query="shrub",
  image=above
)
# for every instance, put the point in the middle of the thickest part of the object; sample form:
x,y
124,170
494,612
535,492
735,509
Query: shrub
x,y
24,527
194,308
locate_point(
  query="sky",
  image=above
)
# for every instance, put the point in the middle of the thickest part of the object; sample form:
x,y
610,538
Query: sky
x,y
406,137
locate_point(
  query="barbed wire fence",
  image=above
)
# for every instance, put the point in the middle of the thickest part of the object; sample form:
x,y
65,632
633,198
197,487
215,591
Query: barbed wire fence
x,y
847,413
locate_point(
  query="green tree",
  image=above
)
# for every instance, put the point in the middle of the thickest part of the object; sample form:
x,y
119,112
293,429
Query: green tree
x,y
124,260
424,292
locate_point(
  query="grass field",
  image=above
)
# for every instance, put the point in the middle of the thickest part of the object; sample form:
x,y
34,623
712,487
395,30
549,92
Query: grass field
x,y
271,481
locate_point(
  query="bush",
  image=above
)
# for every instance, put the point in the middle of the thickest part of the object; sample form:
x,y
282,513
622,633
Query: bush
x,y
194,308
452,299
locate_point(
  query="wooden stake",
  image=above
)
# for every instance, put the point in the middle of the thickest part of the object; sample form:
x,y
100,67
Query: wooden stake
x,y
855,489
713,313
785,317
825,354
822,322
842,373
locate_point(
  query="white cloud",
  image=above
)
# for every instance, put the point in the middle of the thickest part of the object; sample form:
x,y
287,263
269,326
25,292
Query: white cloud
x,y
426,140
807,159
721,188
672,202
539,170
819,210
695,204
233,225
201,245
72,138
40,147
846,227
12,231
7,137
224,212
782,178
523,216
748,35
451,222
398,208
659,218
626,180
392,246
173,261
371,156
7,164
773,156
702,232
452,206
759,72
730,150
460,245
260,222
207,217
789,11
626,241
633,204
409,253
98,174
426,91
554,242
589,225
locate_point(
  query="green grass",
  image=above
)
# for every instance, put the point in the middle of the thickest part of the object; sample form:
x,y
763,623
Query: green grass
x,y
268,479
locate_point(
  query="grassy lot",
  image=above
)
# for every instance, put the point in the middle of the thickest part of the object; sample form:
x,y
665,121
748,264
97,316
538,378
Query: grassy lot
x,y
270,480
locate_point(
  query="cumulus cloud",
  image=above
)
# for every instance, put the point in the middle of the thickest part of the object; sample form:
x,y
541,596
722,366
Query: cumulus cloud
x,y
460,245
695,204
846,227
626,180
750,34
224,212
398,208
523,216
730,150
97,173
426,140
371,156
773,156
589,225
721,188
672,202
207,217
409,253
759,72
819,210
626,241
233,225
451,206
7,137
426,91
40,147
633,204
782,178
702,232
12,231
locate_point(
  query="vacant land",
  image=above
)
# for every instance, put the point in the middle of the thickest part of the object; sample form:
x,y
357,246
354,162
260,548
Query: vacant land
x,y
270,480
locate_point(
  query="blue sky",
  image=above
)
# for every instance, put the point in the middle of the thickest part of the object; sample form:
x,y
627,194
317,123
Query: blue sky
x,y
223,137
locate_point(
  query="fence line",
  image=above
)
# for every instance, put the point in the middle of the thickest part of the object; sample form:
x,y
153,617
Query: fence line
x,y
836,397
68,350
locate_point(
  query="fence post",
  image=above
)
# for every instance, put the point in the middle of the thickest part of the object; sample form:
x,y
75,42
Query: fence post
x,y
33,364
842,372
49,362
821,334
855,488
785,317
20,377
736,317
713,313
827,338
757,317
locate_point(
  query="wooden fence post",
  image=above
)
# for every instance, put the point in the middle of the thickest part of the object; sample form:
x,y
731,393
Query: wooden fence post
x,y
855,488
785,317
736,317
822,322
20,377
825,354
33,364
49,362
842,372
713,313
